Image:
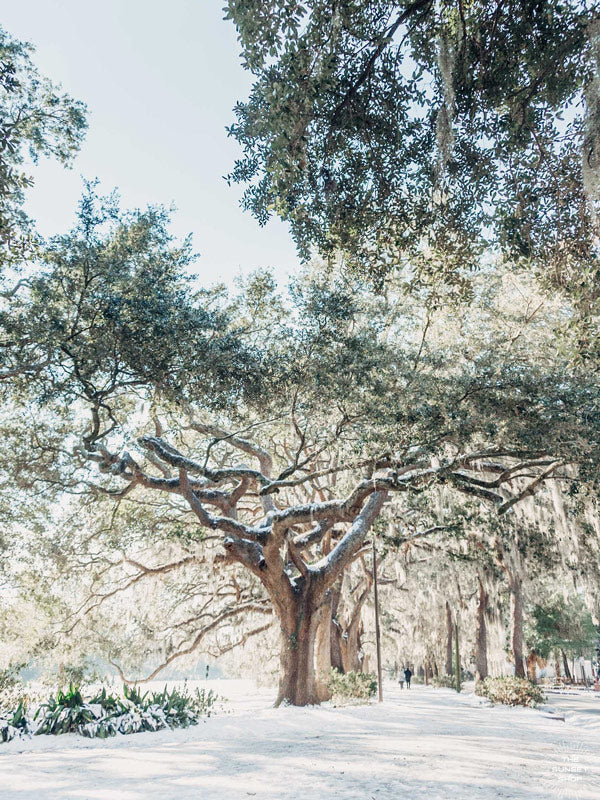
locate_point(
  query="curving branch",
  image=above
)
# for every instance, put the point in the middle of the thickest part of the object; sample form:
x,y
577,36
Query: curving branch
x,y
197,641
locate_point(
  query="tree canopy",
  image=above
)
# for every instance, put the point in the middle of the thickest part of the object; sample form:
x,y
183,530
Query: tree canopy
x,y
36,119
418,134
238,447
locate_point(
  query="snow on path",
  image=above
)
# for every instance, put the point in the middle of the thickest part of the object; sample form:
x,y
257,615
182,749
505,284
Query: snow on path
x,y
419,744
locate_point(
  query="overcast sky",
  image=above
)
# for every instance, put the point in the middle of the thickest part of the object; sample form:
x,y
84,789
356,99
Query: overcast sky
x,y
160,80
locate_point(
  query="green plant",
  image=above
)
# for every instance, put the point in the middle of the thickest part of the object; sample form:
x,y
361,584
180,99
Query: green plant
x,y
204,702
64,713
445,682
15,724
346,686
510,691
108,714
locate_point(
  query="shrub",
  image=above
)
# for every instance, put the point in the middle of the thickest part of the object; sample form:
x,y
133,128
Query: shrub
x,y
510,691
444,681
64,713
108,714
14,724
351,685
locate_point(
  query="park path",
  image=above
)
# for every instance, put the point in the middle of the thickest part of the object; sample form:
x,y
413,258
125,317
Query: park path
x,y
419,744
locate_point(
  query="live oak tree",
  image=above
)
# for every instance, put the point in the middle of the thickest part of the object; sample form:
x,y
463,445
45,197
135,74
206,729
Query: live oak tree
x,y
237,409
417,134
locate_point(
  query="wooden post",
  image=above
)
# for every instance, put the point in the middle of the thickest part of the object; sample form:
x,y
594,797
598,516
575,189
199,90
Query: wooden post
x,y
377,631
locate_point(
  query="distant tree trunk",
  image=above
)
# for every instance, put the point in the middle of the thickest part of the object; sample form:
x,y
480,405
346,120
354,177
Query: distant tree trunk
x,y
532,660
568,675
517,625
351,647
336,629
323,649
481,664
557,669
449,650
349,634
336,650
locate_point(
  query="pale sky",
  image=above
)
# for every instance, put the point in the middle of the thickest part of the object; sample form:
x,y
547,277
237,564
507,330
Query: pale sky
x,y
160,80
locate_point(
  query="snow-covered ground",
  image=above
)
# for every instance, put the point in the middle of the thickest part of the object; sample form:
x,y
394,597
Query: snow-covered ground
x,y
419,744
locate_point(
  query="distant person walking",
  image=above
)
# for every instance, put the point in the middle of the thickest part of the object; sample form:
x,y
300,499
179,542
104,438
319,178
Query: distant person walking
x,y
407,677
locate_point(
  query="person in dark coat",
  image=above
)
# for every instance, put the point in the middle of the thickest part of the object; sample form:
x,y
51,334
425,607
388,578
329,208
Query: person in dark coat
x,y
407,677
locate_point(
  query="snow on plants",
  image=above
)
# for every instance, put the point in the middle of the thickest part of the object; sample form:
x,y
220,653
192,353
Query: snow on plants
x,y
349,686
510,691
106,714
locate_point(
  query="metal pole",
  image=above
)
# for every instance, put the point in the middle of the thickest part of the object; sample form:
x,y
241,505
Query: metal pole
x,y
377,631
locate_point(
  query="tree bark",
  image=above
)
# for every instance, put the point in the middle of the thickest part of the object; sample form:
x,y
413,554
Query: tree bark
x,y
351,647
336,628
517,626
557,669
481,664
449,650
323,649
568,675
532,662
297,681
346,636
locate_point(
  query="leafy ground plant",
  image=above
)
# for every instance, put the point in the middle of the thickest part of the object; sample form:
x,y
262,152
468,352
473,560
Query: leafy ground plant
x,y
14,724
107,714
350,686
510,691
444,681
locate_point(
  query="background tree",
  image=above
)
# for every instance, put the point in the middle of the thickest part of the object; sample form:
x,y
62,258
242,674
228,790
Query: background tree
x,y
35,119
563,626
418,134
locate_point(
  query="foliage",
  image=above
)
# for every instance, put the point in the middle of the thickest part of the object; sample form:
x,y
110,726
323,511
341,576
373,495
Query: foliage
x,y
413,134
347,686
106,714
562,625
348,382
510,691
15,723
64,713
444,681
10,676
35,119
110,306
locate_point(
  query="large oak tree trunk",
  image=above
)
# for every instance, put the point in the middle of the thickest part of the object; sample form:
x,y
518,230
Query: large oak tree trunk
x,y
299,624
297,685
517,626
449,651
481,664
